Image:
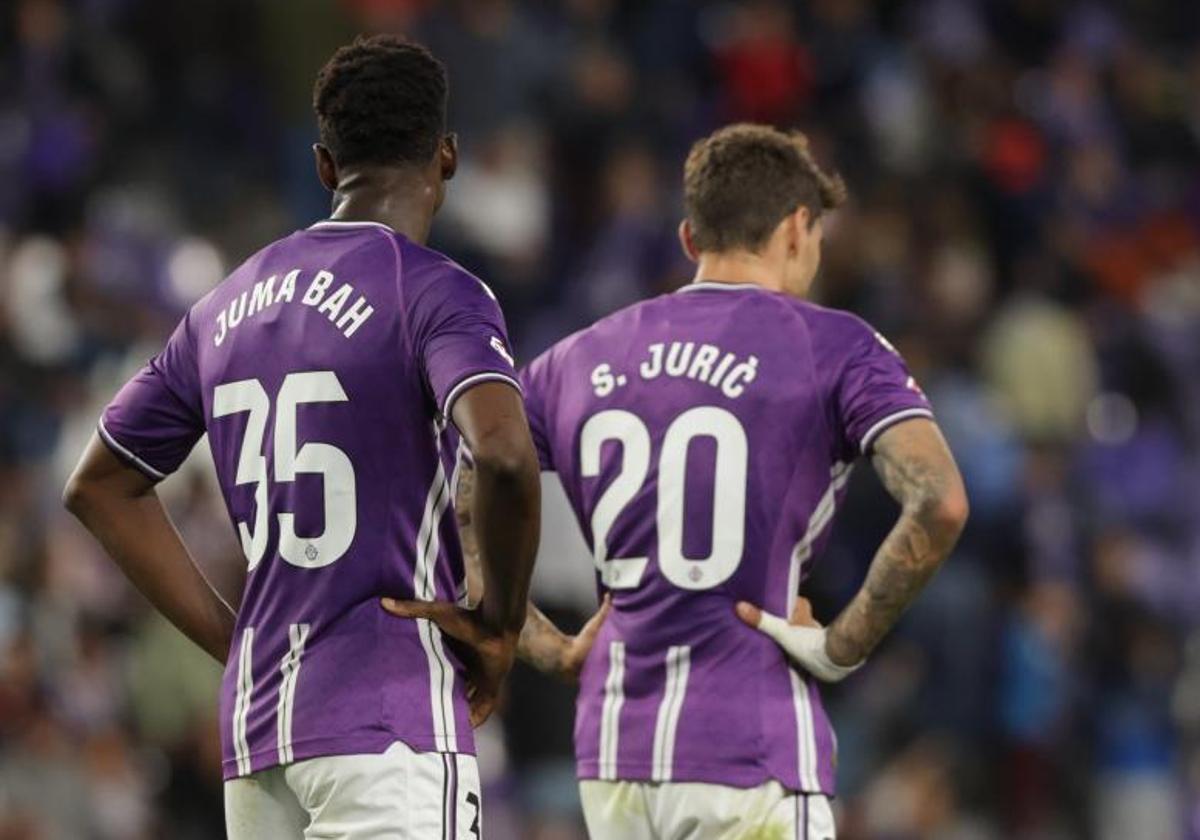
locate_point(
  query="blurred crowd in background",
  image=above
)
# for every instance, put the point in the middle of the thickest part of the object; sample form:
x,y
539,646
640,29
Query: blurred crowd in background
x,y
1025,226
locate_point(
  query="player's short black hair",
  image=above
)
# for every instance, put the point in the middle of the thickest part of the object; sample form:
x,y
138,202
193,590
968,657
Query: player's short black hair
x,y
381,100
741,181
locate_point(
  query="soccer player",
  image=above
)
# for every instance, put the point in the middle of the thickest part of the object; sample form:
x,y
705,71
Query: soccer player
x,y
336,372
704,440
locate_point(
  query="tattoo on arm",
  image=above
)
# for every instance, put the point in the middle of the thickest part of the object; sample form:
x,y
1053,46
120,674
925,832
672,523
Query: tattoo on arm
x,y
472,565
541,643
918,471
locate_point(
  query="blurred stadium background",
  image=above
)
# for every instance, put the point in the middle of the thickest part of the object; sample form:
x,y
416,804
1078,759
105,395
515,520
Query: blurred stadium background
x,y
1025,225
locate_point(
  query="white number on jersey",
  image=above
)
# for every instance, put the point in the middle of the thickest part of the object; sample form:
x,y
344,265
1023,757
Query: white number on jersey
x,y
729,506
341,518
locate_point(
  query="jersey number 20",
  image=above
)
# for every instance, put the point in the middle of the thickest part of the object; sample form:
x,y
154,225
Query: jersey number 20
x,y
729,505
331,463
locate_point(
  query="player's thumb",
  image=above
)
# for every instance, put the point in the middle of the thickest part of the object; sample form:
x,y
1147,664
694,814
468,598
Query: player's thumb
x,y
592,628
443,614
481,707
407,609
748,613
761,620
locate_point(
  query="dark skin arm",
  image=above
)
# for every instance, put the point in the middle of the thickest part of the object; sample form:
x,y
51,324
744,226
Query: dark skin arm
x,y
119,505
505,512
506,502
915,465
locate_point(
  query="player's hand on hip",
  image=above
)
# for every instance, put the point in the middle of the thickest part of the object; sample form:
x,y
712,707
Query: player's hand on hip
x,y
488,654
802,639
580,645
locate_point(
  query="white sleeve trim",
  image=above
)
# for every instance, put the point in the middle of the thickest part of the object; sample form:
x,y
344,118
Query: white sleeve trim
x,y
472,381
889,420
157,475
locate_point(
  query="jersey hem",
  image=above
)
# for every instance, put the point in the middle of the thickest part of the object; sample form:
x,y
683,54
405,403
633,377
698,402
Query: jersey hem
x,y
323,747
887,421
126,454
470,380
712,774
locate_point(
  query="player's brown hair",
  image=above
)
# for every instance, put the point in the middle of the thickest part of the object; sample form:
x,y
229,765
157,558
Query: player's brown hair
x,y
741,181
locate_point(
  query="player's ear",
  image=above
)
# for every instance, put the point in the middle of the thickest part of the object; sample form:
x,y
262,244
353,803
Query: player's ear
x,y
798,226
685,240
326,168
448,155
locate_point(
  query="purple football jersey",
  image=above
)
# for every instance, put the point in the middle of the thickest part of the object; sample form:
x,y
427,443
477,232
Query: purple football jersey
x,y
323,370
704,439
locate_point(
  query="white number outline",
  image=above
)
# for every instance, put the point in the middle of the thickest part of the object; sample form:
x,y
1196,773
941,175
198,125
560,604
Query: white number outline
x,y
339,485
247,395
729,494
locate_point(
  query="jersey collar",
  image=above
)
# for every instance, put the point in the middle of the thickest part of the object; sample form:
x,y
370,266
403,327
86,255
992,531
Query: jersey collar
x,y
718,286
338,223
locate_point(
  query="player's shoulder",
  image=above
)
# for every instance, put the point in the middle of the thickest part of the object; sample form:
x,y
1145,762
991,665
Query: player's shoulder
x,y
423,268
837,332
825,319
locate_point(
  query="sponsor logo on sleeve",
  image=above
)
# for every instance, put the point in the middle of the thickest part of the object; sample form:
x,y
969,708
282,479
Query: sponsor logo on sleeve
x,y
498,345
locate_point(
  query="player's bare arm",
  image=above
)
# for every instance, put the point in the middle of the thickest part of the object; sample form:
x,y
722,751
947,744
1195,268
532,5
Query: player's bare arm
x,y
544,647
505,513
541,644
915,465
506,499
119,505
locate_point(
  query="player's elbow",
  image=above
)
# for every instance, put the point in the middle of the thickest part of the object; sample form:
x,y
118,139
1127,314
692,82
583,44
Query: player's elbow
x,y
506,459
950,510
78,495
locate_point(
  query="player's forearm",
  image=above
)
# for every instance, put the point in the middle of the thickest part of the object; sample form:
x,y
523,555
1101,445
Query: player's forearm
x,y
917,469
505,518
138,535
541,644
902,567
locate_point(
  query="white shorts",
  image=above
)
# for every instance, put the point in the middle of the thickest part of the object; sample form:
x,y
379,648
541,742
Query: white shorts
x,y
697,811
397,795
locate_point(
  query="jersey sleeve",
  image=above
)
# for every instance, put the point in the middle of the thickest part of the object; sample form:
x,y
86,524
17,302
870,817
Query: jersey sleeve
x,y
873,391
156,418
461,339
534,382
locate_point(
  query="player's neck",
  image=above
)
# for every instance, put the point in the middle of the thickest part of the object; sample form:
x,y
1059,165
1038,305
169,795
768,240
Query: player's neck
x,y
405,202
739,267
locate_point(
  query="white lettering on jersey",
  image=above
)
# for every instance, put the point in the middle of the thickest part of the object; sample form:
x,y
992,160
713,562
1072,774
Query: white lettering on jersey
x,y
263,296
316,289
683,359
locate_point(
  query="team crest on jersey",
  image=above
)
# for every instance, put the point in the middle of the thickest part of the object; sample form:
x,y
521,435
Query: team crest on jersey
x,y
499,347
